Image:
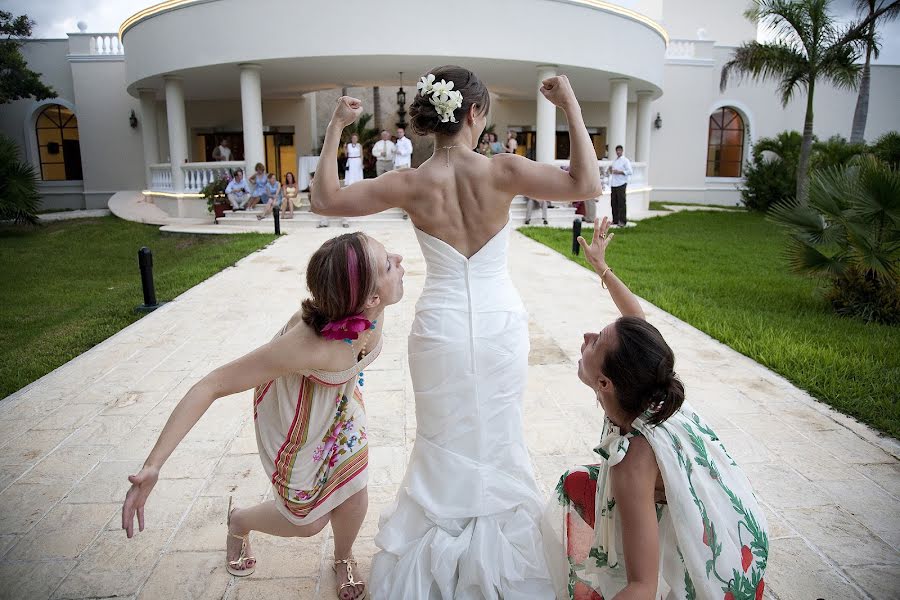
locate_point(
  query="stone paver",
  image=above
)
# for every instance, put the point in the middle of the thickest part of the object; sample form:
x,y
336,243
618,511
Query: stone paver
x,y
830,486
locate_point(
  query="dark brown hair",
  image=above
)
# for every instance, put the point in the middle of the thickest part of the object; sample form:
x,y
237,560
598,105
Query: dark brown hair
x,y
425,119
335,292
641,369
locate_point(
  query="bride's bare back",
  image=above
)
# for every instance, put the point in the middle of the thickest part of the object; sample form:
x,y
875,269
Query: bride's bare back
x,y
457,195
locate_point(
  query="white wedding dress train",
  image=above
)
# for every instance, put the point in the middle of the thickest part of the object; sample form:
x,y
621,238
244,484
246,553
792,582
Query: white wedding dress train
x,y
465,524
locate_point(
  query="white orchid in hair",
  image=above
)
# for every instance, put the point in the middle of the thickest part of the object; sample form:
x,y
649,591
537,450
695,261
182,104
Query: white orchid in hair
x,y
425,83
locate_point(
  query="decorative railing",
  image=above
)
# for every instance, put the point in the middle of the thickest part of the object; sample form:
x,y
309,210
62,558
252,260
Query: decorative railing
x,y
681,49
161,177
106,44
197,175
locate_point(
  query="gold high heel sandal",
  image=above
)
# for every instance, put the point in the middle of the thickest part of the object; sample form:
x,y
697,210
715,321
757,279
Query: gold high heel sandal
x,y
351,582
238,567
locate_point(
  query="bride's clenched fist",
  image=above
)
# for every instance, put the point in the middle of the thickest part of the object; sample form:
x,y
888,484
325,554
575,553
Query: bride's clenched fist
x,y
346,111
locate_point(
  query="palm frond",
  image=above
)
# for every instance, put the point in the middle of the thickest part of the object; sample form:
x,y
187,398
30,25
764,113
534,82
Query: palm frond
x,y
806,259
757,61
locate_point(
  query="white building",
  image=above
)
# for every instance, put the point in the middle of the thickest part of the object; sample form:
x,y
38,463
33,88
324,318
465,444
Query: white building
x,y
264,74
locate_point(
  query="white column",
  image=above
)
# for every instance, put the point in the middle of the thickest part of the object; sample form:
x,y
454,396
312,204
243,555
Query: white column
x,y
149,131
251,110
175,116
644,123
545,121
301,128
618,115
313,121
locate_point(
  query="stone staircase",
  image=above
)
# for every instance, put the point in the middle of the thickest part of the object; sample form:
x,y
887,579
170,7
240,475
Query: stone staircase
x,y
561,215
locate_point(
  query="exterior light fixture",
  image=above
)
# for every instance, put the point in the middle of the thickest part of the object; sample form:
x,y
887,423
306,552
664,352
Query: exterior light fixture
x,y
132,120
658,122
401,104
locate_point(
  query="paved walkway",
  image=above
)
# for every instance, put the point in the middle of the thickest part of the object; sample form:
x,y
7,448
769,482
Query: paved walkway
x,y
831,488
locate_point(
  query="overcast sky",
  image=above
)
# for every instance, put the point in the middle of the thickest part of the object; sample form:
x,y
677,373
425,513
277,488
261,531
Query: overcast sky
x,y
56,18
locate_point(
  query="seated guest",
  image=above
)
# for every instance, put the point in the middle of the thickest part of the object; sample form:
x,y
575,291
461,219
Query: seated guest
x,y
258,183
237,191
273,197
291,192
668,513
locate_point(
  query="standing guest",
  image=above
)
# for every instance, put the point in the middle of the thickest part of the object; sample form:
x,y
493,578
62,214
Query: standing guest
x,y
496,146
354,170
667,513
290,192
403,156
621,173
222,152
384,151
237,191
273,197
512,143
258,185
307,410
530,204
323,220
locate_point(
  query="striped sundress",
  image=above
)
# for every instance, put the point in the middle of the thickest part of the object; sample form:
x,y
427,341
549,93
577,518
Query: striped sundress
x,y
311,434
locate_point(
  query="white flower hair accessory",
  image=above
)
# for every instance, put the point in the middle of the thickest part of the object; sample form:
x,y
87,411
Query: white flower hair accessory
x,y
444,98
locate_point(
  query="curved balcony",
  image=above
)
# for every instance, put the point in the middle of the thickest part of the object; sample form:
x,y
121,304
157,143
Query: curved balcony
x,y
305,46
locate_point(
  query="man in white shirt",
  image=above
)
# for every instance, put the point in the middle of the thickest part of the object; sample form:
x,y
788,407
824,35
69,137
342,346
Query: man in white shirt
x,y
222,151
403,155
237,191
621,172
384,151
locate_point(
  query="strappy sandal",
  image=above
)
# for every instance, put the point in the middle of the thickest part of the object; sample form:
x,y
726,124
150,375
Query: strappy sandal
x,y
351,582
238,567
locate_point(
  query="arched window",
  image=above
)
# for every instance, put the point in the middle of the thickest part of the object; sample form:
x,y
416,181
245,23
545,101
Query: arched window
x,y
725,154
56,130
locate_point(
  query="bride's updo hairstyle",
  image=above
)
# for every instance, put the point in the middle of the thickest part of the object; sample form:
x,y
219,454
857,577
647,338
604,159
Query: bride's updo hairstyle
x,y
641,369
341,277
425,118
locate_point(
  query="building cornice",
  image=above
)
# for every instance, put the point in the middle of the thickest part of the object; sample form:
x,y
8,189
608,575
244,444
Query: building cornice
x,y
170,5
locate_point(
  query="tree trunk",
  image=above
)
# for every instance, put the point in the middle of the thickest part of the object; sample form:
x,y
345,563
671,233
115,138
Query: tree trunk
x,y
806,146
861,114
376,100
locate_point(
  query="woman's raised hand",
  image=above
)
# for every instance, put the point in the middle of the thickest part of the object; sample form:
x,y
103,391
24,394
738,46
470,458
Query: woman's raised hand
x,y
346,111
559,91
141,486
595,253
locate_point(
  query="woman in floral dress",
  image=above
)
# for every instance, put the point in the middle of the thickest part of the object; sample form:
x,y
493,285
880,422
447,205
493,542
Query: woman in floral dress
x,y
668,514
307,407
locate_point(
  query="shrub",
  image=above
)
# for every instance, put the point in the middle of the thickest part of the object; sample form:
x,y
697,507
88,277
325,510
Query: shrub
x,y
214,191
834,152
19,197
771,174
887,148
849,233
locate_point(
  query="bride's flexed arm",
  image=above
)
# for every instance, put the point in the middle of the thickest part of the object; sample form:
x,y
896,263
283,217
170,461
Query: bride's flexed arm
x,y
519,175
365,197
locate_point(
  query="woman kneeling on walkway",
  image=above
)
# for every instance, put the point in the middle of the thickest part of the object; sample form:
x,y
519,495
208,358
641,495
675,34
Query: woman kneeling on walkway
x,y
668,513
307,406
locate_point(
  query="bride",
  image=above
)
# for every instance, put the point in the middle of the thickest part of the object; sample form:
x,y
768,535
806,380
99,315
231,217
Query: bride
x,y
465,523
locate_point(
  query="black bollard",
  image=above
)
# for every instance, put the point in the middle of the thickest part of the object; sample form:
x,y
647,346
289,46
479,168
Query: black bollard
x,y
277,216
145,261
576,231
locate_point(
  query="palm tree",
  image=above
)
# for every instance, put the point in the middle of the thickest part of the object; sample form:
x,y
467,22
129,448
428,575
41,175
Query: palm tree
x,y
849,232
809,47
19,197
867,8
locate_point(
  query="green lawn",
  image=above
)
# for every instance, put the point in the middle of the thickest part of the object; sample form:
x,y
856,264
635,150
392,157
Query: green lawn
x,y
69,285
724,273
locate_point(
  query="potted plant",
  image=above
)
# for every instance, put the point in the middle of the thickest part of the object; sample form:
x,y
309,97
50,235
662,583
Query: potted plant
x,y
214,192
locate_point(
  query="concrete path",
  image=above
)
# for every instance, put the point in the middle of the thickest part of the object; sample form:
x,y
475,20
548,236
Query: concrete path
x,y
831,487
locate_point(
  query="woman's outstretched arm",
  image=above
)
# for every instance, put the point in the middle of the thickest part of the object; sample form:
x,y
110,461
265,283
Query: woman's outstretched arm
x,y
365,197
264,364
595,254
518,175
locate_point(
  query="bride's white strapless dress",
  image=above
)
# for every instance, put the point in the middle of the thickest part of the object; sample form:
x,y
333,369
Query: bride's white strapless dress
x,y
465,524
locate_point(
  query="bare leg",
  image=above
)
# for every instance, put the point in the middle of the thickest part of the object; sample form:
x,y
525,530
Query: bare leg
x,y
346,520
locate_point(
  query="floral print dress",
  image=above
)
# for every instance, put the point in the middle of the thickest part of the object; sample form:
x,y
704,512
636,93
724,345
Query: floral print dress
x,y
311,435
713,537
